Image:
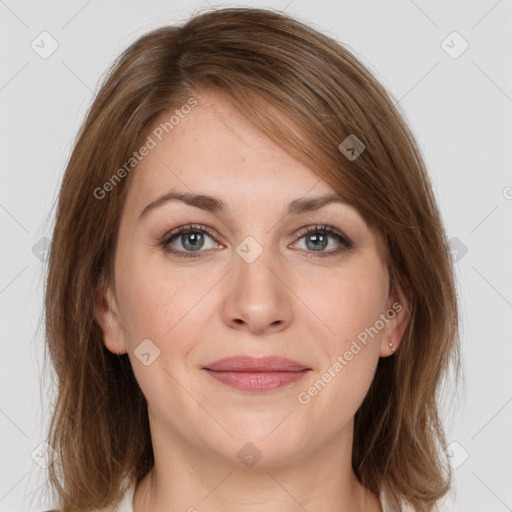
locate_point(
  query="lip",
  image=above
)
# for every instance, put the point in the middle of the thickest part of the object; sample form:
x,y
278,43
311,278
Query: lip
x,y
256,364
256,374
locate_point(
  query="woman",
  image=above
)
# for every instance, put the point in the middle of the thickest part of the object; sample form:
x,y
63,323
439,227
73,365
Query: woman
x,y
250,301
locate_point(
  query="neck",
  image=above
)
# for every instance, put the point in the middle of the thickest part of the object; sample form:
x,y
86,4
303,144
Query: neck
x,y
185,478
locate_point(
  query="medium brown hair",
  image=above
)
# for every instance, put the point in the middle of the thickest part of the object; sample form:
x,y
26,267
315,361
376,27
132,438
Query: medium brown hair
x,y
271,67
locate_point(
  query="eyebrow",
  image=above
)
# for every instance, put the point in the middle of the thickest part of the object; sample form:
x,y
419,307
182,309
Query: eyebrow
x,y
215,205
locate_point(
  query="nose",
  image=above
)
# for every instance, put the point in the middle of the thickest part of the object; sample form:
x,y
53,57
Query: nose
x,y
258,297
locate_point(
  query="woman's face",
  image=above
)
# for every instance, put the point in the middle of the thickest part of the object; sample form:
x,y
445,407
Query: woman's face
x,y
245,280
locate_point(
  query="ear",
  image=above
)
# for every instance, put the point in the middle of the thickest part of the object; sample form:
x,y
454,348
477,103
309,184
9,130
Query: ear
x,y
398,313
105,314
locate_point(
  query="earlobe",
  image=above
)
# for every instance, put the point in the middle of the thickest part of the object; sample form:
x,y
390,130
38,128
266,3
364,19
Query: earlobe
x,y
395,330
105,314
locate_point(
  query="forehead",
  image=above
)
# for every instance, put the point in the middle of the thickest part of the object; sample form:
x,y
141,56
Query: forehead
x,y
215,148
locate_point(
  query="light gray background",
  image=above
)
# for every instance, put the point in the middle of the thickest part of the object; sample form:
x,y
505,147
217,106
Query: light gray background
x,y
460,110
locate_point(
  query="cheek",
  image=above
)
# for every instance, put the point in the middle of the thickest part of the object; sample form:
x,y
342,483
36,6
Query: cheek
x,y
145,298
154,307
159,304
350,350
352,304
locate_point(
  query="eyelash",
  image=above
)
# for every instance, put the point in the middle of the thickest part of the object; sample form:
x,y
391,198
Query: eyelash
x,y
323,229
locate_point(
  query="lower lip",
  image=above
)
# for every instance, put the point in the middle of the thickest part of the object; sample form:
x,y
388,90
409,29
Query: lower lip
x,y
257,381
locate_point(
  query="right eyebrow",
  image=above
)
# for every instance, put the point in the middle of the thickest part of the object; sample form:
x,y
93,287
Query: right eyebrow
x,y
205,202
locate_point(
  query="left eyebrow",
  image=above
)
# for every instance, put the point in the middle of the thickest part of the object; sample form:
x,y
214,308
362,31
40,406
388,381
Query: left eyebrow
x,y
302,205
215,205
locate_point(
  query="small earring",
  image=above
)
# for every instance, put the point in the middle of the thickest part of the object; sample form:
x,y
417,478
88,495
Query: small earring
x,y
391,345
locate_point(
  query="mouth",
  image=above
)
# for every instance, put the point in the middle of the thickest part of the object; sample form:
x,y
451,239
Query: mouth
x,y
256,374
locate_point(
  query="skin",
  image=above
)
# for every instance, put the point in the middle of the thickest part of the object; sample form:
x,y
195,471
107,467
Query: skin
x,y
290,301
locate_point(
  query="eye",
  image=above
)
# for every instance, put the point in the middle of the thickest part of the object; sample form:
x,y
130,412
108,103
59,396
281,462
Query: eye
x,y
191,237
318,238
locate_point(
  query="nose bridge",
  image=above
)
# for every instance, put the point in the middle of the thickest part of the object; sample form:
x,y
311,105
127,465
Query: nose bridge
x,y
257,298
255,265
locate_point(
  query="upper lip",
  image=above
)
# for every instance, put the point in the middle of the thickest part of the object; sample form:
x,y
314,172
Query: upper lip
x,y
256,364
